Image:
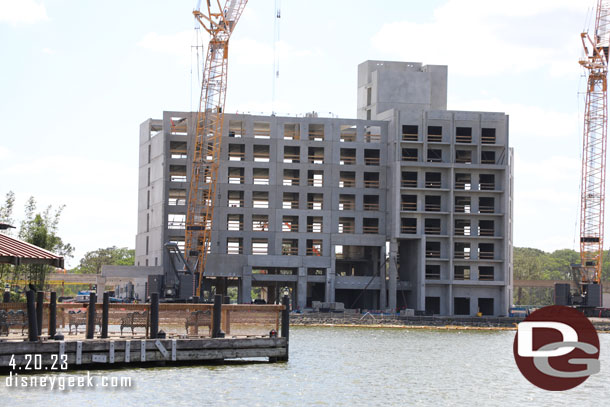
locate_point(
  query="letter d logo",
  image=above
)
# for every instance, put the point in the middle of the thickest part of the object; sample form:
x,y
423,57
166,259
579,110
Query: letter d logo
x,y
525,333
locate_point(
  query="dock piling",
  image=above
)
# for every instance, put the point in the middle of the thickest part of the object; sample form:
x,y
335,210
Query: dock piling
x,y
285,324
91,315
53,315
217,316
154,315
105,314
39,310
32,327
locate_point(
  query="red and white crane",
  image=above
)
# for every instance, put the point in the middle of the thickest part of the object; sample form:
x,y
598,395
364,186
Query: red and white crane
x,y
593,182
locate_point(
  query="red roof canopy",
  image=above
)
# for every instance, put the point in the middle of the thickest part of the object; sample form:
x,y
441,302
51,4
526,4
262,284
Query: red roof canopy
x,y
15,251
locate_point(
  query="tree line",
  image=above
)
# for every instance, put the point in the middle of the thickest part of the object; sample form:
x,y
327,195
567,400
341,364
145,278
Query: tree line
x,y
535,264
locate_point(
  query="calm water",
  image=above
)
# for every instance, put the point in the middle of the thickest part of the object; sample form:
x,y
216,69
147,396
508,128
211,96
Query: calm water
x,y
344,367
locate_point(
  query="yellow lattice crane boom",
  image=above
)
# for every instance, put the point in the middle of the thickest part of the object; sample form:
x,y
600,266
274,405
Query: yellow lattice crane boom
x,y
219,21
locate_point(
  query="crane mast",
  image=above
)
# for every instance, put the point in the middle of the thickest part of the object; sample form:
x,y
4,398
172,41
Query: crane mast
x,y
593,184
219,21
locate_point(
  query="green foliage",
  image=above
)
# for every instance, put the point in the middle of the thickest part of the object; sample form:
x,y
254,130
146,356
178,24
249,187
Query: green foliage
x,y
92,262
534,264
40,229
6,216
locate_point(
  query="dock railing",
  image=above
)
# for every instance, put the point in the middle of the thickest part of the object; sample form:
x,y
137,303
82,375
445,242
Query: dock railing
x,y
174,319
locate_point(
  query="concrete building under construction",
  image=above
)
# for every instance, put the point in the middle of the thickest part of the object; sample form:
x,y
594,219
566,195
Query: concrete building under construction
x,y
409,205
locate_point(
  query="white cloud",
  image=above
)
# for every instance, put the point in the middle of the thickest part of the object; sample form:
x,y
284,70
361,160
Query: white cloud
x,y
561,169
70,170
97,193
48,51
177,44
479,38
251,52
242,50
4,153
22,11
546,201
566,240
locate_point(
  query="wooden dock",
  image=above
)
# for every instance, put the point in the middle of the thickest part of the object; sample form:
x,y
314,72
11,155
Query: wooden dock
x,y
222,332
47,356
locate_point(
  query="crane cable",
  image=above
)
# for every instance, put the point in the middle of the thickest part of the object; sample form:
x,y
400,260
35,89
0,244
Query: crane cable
x,y
196,57
276,53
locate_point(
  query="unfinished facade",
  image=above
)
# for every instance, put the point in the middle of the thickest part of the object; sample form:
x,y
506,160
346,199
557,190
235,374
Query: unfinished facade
x,y
407,206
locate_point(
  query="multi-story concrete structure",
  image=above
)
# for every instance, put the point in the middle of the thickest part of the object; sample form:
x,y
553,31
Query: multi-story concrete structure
x,y
407,206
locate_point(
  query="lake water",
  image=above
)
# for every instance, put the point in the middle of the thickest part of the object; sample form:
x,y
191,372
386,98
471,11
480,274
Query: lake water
x,y
343,367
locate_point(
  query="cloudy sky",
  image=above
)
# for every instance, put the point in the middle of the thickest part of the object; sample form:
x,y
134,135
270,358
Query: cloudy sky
x,y
78,77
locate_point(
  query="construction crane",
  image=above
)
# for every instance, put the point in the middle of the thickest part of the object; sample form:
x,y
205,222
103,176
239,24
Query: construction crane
x,y
219,21
587,274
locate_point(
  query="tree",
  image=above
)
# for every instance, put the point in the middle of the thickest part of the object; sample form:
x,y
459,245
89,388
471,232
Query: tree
x,y
534,264
6,216
93,261
6,210
40,229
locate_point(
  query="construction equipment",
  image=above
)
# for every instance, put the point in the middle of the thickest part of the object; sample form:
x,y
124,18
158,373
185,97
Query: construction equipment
x,y
219,22
587,274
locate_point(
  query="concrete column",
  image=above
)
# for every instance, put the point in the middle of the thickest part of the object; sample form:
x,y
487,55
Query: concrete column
x,y
329,292
239,290
502,306
420,291
450,300
393,274
302,288
383,299
100,282
246,286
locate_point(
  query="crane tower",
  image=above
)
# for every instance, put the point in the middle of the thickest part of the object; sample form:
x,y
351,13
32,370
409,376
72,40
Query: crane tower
x,y
593,184
219,21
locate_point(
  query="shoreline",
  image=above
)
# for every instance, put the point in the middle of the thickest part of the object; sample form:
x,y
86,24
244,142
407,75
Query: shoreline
x,y
422,327
421,323
398,326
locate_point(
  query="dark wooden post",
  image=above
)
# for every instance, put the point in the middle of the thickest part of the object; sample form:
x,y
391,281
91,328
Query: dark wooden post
x,y
105,314
7,295
91,315
227,300
32,326
39,310
53,314
285,324
217,316
195,300
154,315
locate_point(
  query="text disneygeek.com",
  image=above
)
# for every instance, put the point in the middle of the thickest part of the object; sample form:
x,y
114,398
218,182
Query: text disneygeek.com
x,y
66,382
